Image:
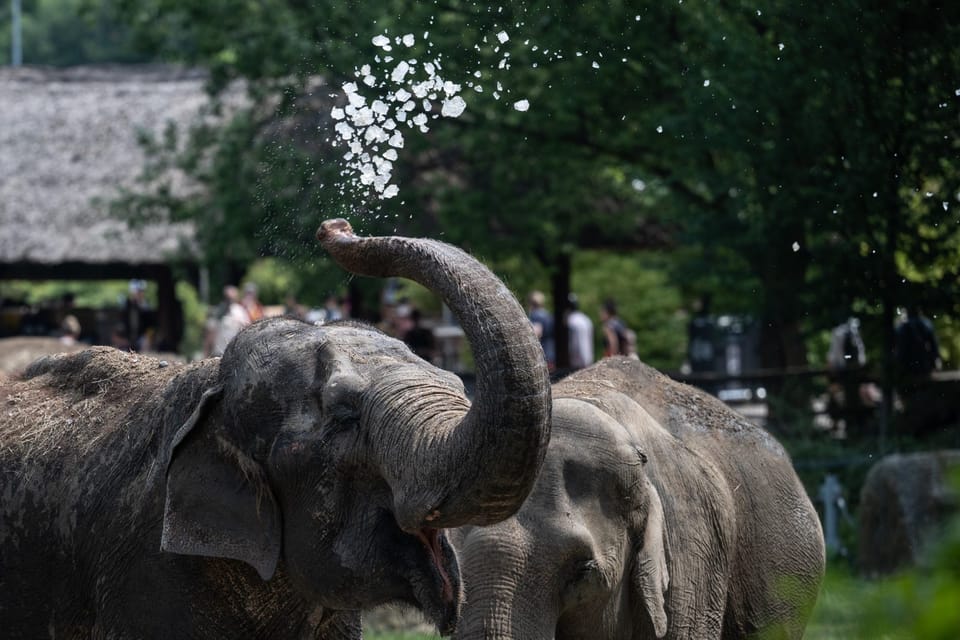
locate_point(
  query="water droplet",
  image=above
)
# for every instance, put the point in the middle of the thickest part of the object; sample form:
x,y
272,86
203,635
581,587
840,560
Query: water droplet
x,y
453,107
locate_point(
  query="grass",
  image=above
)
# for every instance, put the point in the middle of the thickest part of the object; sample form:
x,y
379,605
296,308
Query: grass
x,y
837,616
837,612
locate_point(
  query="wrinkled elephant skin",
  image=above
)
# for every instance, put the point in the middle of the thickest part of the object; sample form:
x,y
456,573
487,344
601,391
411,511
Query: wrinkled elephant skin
x,y
274,492
659,512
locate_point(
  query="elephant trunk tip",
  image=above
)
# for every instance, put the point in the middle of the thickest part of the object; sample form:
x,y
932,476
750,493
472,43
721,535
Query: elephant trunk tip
x,y
332,229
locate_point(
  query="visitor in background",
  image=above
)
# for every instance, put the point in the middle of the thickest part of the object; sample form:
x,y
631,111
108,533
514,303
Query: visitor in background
x,y
226,322
118,337
292,308
846,346
420,338
133,312
617,338
70,330
333,309
542,321
916,347
851,400
701,337
402,319
580,330
251,302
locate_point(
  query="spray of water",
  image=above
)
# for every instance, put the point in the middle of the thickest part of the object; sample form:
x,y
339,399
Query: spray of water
x,y
398,93
394,95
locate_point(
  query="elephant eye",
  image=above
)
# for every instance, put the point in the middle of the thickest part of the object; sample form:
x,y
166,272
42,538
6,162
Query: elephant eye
x,y
584,584
344,414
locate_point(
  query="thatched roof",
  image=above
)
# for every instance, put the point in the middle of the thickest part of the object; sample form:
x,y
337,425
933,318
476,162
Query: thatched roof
x,y
68,144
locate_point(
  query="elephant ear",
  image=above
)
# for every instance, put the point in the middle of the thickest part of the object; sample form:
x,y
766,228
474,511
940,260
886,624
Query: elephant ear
x,y
651,577
218,502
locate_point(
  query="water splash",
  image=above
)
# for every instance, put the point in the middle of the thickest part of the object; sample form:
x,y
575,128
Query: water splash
x,y
397,92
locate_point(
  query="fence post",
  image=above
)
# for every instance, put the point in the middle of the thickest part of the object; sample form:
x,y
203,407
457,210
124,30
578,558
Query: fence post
x,y
830,493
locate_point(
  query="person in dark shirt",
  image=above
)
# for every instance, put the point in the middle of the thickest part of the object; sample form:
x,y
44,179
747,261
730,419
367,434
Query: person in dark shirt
x,y
916,347
617,338
542,321
419,338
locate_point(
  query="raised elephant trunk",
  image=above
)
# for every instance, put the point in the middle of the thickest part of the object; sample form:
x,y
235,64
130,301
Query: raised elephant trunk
x,y
481,463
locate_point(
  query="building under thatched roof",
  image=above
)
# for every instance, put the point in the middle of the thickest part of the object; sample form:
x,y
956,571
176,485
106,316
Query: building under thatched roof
x,y
68,146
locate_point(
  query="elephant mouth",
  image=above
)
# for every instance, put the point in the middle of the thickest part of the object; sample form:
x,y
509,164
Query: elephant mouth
x,y
431,539
439,596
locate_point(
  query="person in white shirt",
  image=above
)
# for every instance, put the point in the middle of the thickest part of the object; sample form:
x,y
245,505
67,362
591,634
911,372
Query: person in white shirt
x,y
580,330
230,318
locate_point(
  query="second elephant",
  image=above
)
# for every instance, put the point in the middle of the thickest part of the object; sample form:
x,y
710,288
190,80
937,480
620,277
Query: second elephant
x,y
659,512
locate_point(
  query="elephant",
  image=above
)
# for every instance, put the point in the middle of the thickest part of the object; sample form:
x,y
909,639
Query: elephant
x,y
274,492
906,502
659,512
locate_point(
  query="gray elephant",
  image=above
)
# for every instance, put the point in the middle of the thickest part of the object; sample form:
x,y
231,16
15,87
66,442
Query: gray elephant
x,y
276,491
659,512
906,501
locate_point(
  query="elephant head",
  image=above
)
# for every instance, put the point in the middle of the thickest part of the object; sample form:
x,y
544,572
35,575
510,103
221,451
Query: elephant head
x,y
585,557
336,455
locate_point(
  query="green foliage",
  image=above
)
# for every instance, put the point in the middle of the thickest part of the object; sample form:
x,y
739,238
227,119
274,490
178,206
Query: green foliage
x,y
89,294
789,153
921,603
68,32
420,297
194,319
274,278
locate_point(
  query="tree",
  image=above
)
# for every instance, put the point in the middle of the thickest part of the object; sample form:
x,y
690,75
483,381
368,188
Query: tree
x,y
68,32
788,151
831,161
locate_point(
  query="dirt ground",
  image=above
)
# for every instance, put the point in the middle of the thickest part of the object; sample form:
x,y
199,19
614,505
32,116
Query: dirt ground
x,y
17,353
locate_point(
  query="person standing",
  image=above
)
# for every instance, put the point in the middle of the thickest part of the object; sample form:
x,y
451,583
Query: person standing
x,y
617,338
70,330
850,399
580,330
846,346
542,322
251,302
917,348
420,338
234,318
701,338
133,312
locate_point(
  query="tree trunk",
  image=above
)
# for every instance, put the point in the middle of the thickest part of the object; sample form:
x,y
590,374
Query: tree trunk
x,y
560,276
